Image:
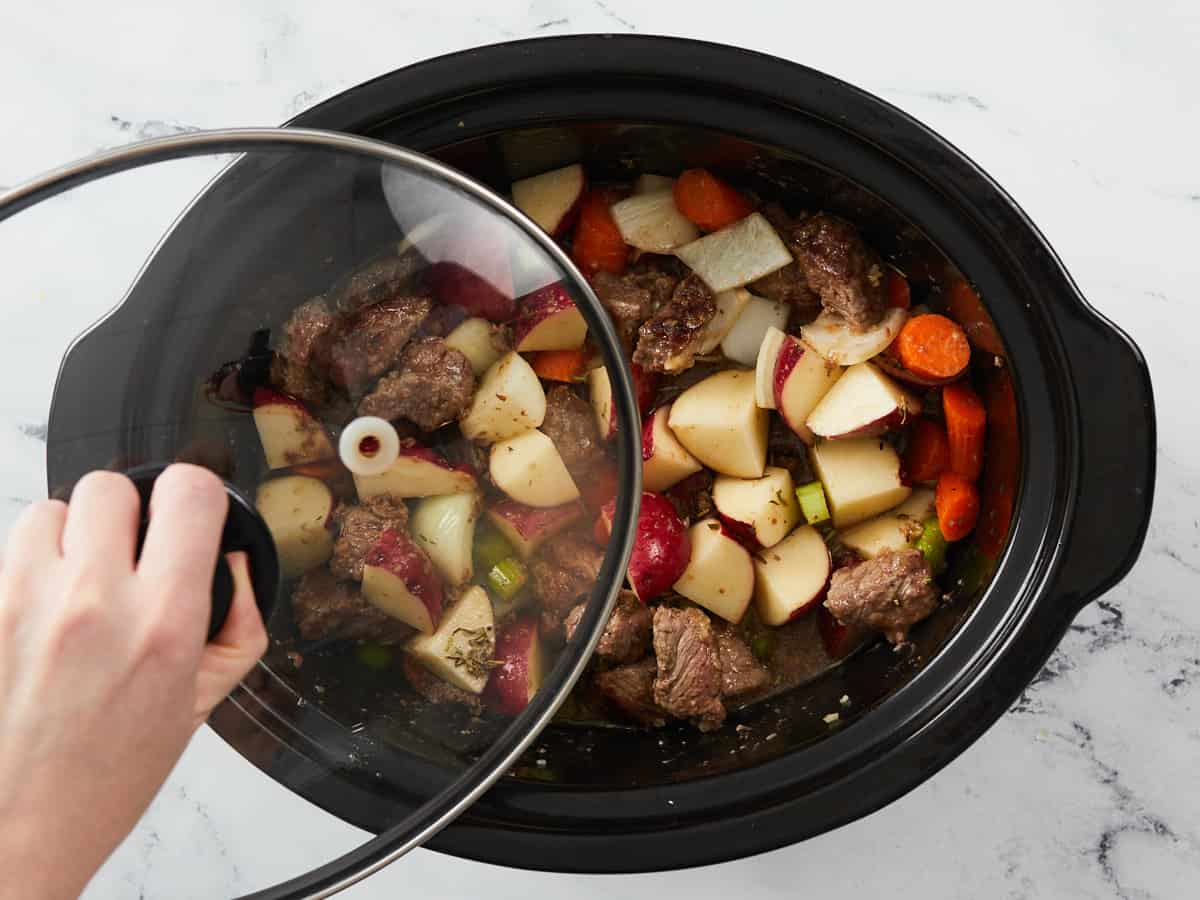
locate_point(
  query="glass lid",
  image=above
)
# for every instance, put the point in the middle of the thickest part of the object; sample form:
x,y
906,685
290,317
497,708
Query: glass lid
x,y
384,361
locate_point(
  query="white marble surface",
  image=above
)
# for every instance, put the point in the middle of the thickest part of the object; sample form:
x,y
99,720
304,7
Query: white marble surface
x,y
1088,111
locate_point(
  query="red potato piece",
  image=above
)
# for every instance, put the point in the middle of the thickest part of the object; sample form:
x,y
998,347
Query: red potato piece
x,y
862,403
861,477
461,650
762,511
548,319
661,550
665,461
528,527
720,574
290,435
417,472
521,670
298,511
792,576
719,423
552,199
801,381
400,579
508,401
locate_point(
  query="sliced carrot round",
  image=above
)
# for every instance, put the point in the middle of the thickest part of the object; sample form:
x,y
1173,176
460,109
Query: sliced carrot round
x,y
932,346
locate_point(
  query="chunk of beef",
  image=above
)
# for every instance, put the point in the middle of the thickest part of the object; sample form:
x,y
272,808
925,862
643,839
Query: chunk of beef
x,y
300,381
324,607
442,319
432,386
889,593
626,637
840,267
434,690
692,497
631,298
670,340
741,673
304,330
630,689
788,285
562,574
689,681
377,281
786,450
571,425
359,530
371,341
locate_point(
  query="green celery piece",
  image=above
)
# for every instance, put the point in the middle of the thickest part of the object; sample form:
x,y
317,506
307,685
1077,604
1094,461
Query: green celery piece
x,y
507,577
812,502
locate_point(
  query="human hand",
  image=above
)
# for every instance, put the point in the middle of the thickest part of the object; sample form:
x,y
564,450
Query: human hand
x,y
104,669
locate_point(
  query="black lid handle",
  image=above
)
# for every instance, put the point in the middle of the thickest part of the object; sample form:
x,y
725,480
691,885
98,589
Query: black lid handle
x,y
244,531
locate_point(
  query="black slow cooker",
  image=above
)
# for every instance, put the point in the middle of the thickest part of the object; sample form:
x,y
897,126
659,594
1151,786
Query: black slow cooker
x,y
594,798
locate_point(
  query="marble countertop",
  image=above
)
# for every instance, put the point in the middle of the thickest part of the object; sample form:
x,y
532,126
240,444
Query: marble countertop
x,y
1086,112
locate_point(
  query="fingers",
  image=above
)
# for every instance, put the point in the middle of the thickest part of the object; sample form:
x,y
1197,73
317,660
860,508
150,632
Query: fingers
x,y
187,514
36,536
243,629
236,647
102,520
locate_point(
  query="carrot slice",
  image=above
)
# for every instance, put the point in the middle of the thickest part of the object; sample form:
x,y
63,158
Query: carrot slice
x,y
928,453
560,365
708,201
932,346
898,294
957,504
966,424
598,245
967,310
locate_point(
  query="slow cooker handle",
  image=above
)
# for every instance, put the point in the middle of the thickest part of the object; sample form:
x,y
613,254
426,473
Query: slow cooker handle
x,y
1117,456
244,531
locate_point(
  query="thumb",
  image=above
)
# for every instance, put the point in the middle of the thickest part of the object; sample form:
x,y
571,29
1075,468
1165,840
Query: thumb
x,y
239,644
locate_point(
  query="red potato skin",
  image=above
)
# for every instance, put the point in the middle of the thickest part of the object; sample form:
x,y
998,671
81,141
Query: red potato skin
x,y
417,451
537,307
454,284
535,524
648,437
508,690
567,222
839,640
662,549
397,554
789,354
265,396
742,532
894,421
645,386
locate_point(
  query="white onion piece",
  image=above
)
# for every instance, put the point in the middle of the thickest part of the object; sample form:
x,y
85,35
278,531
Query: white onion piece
x,y
652,223
362,429
835,340
737,254
746,336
